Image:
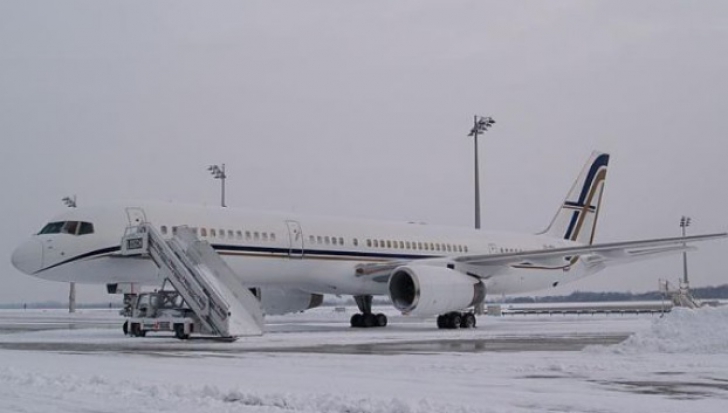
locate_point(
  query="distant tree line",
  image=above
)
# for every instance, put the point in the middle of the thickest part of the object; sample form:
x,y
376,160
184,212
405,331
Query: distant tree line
x,y
702,293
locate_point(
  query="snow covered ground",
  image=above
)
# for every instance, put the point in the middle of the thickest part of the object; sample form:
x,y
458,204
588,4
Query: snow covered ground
x,y
313,362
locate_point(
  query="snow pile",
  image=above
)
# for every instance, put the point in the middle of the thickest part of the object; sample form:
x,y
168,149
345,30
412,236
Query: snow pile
x,y
67,392
703,331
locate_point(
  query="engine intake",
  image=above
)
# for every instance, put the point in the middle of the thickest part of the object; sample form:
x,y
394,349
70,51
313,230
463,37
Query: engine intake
x,y
425,290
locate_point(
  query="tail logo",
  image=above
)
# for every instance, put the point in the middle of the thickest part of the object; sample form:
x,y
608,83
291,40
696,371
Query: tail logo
x,y
589,199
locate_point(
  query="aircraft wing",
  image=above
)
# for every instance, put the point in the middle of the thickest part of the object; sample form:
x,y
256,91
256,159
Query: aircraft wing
x,y
554,258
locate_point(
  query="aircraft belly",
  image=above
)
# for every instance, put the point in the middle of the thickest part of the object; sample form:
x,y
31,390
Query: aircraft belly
x,y
310,275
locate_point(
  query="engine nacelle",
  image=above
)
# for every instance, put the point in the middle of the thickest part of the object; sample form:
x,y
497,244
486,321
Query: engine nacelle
x,y
276,301
424,290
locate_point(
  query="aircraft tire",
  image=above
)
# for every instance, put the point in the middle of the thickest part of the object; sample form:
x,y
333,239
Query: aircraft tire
x,y
369,320
454,320
125,328
381,320
468,321
356,320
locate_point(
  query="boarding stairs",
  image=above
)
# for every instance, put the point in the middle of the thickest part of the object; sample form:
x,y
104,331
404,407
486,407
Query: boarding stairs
x,y
211,289
681,296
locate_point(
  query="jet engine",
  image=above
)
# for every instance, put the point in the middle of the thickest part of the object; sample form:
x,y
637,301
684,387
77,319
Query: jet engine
x,y
426,290
277,301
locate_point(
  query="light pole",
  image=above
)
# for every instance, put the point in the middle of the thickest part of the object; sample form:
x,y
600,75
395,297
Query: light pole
x,y
71,203
684,223
480,125
218,172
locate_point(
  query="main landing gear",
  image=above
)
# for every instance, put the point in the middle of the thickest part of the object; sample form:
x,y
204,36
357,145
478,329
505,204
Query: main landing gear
x,y
366,319
455,320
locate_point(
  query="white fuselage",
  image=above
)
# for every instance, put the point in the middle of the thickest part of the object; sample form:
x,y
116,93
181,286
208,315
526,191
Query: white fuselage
x,y
313,254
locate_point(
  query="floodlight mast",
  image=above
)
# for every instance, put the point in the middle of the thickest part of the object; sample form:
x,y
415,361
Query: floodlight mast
x,y
218,172
480,125
684,223
70,202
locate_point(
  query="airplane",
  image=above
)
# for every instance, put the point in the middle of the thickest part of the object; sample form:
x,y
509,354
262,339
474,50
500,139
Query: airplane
x,y
426,270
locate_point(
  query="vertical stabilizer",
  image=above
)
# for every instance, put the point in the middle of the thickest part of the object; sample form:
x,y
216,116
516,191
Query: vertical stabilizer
x,y
576,219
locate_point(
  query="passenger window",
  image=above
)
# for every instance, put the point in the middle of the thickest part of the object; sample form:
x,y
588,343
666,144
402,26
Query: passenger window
x,y
86,228
265,236
389,244
194,230
376,244
272,236
247,235
221,233
164,230
256,236
312,239
203,232
466,248
355,242
212,232
319,240
239,234
341,241
334,240
407,245
369,242
327,240
230,234
419,245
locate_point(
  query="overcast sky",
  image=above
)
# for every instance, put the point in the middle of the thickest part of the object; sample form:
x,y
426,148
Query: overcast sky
x,y
361,109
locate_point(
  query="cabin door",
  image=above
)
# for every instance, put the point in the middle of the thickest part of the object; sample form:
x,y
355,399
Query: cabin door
x,y
136,216
295,236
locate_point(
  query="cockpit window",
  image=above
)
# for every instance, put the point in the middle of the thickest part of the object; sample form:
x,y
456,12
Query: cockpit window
x,y
68,227
86,228
52,228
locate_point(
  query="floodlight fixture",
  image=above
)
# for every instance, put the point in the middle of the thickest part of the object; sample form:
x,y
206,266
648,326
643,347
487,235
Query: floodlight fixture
x,y
218,172
70,201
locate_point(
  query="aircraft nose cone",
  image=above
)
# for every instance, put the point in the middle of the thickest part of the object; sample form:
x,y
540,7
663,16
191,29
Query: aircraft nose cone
x,y
28,257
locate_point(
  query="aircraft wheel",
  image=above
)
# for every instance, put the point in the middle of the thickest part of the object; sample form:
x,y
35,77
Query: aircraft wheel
x,y
370,320
356,320
125,328
381,320
455,320
468,321
136,330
